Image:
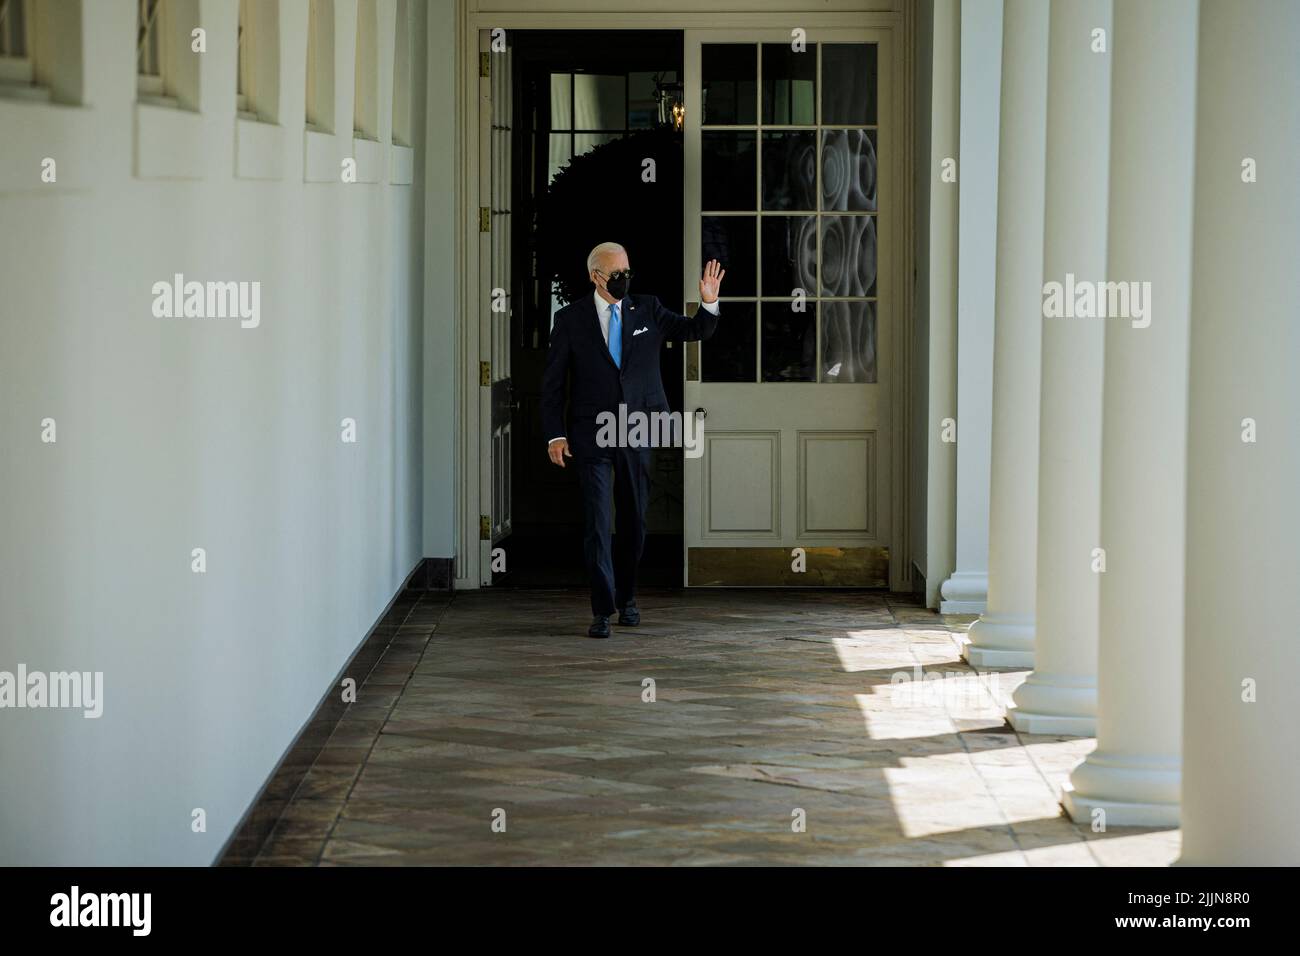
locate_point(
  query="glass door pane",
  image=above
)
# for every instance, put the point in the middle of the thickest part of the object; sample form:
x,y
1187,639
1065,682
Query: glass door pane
x,y
729,83
803,204
789,85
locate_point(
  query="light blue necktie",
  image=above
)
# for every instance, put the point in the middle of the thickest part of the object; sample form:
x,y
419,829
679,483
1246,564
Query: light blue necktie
x,y
615,335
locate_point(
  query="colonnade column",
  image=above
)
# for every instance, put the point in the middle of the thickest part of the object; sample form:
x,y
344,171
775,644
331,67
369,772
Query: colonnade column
x,y
1241,775
1132,777
1060,695
1004,635
966,590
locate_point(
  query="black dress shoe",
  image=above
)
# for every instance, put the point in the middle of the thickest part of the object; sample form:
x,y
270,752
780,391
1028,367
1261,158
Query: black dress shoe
x,y
629,616
599,626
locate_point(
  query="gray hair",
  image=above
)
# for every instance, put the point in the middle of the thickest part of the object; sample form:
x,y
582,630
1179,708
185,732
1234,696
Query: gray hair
x,y
604,249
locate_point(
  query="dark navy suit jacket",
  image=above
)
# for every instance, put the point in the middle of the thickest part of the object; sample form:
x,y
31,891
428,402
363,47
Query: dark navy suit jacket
x,y
599,385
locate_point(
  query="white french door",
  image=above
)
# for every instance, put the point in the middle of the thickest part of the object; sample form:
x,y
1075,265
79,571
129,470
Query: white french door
x,y
783,185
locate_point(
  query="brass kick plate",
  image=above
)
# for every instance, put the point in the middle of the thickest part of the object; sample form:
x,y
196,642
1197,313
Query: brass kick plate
x,y
771,568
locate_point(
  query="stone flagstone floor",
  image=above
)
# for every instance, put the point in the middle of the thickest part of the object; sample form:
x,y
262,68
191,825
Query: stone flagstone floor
x,y
849,711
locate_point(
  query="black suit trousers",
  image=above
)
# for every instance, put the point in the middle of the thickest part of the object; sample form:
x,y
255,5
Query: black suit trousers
x,y
619,482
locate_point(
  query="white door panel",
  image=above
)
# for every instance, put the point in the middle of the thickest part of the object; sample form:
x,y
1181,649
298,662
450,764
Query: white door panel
x,y
744,482
782,183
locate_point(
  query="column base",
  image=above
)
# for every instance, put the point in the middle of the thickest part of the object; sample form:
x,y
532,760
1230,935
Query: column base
x,y
966,592
1047,704
1118,813
1000,641
1133,791
1051,725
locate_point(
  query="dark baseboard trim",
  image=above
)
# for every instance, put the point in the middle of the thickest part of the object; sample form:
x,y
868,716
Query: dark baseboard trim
x,y
429,574
433,574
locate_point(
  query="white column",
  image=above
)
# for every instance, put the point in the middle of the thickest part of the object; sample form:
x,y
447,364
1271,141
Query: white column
x,y
1004,635
1060,696
966,590
1241,763
1133,775
937,297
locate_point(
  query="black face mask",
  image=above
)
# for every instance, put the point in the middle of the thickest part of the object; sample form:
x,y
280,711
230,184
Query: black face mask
x,y
617,283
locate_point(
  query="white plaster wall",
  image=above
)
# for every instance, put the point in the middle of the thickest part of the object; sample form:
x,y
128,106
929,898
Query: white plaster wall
x,y
182,433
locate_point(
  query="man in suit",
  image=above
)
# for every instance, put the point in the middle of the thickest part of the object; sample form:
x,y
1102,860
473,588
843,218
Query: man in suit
x,y
609,341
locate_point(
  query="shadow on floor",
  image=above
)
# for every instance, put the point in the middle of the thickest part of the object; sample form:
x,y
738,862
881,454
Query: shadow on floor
x,y
553,560
732,727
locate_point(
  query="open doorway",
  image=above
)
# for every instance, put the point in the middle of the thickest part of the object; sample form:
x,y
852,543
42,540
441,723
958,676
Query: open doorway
x,y
594,156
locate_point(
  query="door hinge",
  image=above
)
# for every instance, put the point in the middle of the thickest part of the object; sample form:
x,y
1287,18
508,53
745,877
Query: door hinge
x,y
484,528
485,373
485,64
484,219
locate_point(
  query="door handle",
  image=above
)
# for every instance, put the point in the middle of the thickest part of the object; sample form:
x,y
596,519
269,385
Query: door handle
x,y
701,413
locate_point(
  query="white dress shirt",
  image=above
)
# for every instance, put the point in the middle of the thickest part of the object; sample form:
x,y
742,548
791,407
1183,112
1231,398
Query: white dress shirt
x,y
603,309
602,313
